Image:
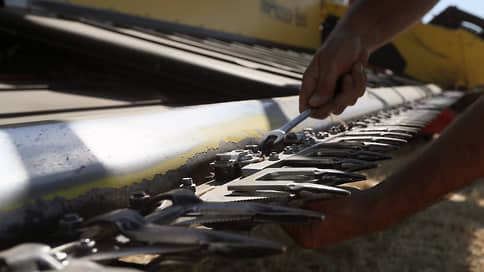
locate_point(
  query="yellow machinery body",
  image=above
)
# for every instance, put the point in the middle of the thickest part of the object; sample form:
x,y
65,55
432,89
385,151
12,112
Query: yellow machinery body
x,y
288,22
450,58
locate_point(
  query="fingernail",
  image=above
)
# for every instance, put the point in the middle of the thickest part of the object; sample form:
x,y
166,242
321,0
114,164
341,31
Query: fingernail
x,y
362,69
314,100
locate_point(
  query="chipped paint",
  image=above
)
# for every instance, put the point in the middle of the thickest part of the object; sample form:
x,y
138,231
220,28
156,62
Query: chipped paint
x,y
215,134
66,161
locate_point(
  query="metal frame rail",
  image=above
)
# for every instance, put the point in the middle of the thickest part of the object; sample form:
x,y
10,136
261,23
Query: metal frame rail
x,y
93,165
247,189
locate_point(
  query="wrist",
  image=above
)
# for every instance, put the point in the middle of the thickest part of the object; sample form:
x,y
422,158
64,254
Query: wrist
x,y
348,39
353,24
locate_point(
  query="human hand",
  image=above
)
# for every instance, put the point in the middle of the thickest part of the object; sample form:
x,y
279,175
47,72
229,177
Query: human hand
x,y
342,55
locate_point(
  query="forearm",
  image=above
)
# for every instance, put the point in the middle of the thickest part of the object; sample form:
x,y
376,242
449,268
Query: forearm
x,y
378,21
453,161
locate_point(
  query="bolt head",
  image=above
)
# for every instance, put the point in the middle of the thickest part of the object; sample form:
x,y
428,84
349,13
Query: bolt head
x,y
71,221
308,131
322,135
288,150
137,200
309,141
187,181
60,256
72,217
253,148
273,156
222,157
87,243
334,130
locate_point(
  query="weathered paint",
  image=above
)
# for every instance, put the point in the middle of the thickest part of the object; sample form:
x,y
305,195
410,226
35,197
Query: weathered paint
x,y
54,167
122,172
69,159
214,135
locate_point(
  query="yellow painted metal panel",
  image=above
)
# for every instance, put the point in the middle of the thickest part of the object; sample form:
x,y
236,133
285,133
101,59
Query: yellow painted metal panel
x,y
432,54
473,59
283,21
450,58
334,9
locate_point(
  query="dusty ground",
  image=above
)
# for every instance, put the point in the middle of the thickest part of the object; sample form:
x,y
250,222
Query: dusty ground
x,y
448,236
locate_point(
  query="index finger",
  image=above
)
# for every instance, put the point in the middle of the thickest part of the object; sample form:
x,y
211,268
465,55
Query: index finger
x,y
309,83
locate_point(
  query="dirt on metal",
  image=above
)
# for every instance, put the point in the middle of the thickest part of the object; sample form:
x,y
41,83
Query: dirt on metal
x,y
448,236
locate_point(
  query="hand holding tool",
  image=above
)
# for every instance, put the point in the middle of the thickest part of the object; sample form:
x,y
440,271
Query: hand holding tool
x,y
276,136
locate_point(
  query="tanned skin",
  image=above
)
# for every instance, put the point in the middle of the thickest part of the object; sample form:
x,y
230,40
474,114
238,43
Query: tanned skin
x,y
367,25
453,161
